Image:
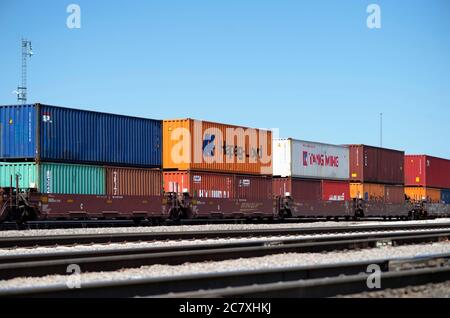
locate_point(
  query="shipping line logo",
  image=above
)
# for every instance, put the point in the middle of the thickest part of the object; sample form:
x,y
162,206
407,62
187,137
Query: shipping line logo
x,y
311,159
232,145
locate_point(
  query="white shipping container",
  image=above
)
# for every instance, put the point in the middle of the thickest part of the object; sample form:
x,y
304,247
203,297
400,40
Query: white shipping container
x,y
305,159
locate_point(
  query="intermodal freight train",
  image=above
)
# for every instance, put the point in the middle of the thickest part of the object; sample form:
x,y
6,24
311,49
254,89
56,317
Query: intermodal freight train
x,y
61,163
26,206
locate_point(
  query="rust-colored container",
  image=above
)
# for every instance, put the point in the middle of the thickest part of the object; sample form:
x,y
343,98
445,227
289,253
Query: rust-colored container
x,y
418,194
368,191
394,194
298,189
427,171
124,181
201,184
253,187
213,147
335,190
376,165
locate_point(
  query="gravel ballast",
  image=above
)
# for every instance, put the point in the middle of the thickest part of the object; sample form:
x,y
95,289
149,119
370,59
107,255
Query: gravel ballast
x,y
209,227
138,245
441,290
267,262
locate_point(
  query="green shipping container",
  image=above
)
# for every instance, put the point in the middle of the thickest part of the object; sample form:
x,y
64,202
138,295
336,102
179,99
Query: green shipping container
x,y
55,177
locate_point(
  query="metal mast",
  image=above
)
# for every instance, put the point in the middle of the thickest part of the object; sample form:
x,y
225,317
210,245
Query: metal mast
x,y
21,91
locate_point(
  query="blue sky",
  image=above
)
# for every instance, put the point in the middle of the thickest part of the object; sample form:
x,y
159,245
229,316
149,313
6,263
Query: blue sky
x,y
311,68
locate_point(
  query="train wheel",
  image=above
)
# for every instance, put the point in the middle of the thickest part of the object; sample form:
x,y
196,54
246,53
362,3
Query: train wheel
x,y
175,215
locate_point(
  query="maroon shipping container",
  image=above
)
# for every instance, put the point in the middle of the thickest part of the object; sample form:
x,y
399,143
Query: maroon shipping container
x,y
376,165
121,181
299,189
335,190
218,185
394,194
253,187
427,171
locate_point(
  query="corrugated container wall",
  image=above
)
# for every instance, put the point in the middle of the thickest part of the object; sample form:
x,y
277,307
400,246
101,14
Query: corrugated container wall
x,y
305,159
335,190
445,196
55,177
133,181
427,171
18,131
56,134
423,194
376,165
299,189
206,146
395,194
201,184
368,191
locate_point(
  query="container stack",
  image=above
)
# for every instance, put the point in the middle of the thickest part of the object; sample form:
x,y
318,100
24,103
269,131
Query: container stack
x,y
427,179
213,160
376,174
310,171
68,151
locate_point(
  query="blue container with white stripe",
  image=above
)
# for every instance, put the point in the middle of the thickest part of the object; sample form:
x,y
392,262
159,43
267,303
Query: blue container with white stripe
x,y
56,134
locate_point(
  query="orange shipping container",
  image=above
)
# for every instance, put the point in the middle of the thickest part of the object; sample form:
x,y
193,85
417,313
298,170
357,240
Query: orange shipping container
x,y
423,194
367,191
206,146
133,181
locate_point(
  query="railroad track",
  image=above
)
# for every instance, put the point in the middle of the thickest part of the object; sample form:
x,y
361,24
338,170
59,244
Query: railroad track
x,y
104,238
305,281
324,287
110,260
75,224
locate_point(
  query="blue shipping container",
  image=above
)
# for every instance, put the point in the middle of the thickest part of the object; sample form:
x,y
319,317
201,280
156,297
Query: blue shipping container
x,y
445,196
57,134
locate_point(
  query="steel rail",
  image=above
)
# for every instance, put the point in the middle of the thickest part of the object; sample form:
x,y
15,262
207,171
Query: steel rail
x,y
112,263
144,287
52,240
324,287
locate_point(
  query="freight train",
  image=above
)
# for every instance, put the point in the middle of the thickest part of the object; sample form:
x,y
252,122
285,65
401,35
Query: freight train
x,y
23,206
65,164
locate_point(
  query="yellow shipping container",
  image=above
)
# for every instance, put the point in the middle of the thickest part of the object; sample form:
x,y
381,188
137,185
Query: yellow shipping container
x,y
367,191
206,146
423,194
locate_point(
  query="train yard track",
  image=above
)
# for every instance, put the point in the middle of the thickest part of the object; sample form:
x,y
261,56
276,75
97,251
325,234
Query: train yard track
x,y
303,281
105,238
331,286
312,281
112,260
77,224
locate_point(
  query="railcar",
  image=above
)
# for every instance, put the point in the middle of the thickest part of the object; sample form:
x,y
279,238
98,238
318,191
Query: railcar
x,y
23,206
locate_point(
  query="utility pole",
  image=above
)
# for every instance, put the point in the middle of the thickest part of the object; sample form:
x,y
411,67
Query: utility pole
x,y
381,130
21,91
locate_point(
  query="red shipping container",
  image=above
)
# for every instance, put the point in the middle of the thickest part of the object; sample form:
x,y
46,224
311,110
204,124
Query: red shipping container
x,y
218,185
253,187
427,171
335,190
133,181
299,189
394,194
370,164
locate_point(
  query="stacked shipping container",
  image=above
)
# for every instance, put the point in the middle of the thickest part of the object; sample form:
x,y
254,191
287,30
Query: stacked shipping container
x,y
214,160
63,150
427,178
310,171
376,174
